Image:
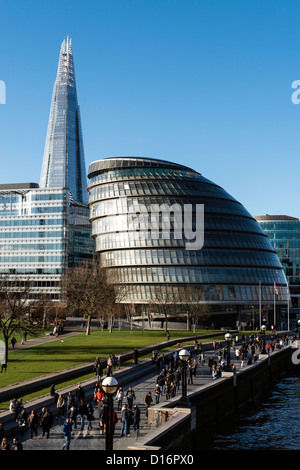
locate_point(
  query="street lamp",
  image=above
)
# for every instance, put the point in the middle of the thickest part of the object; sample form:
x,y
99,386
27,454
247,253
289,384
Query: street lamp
x,y
183,356
228,337
263,329
109,386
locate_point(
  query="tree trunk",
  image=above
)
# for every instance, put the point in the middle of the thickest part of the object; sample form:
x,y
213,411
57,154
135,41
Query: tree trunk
x,y
88,325
6,349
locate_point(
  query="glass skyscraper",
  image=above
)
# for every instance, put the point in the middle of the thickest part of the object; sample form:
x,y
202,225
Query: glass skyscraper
x,y
64,162
45,229
235,266
284,233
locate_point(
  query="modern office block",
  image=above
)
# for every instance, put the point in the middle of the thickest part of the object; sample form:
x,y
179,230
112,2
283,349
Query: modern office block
x,y
42,232
284,234
235,265
64,161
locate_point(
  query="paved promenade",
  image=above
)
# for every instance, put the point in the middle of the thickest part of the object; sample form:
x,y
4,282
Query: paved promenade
x,y
91,439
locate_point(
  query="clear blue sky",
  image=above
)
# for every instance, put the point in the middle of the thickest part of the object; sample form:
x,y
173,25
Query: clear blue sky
x,y
203,83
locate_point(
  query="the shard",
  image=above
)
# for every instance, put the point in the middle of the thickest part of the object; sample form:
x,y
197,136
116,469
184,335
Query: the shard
x,y
64,162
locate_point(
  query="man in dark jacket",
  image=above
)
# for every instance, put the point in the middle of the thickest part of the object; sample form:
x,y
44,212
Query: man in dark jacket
x,y
46,422
148,400
16,445
80,395
136,416
130,395
83,411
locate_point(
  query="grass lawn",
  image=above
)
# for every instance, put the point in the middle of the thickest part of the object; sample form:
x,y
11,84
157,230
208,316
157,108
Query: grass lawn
x,y
79,349
76,350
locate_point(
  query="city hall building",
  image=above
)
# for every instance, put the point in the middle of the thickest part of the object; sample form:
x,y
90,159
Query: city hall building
x,y
144,214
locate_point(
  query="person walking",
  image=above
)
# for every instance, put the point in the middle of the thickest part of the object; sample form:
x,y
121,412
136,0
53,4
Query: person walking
x,y
70,402
148,400
135,356
109,366
130,395
190,373
67,431
125,416
90,415
177,378
157,394
160,382
99,371
22,420
102,415
83,411
60,405
80,393
72,415
33,422
120,397
46,422
136,417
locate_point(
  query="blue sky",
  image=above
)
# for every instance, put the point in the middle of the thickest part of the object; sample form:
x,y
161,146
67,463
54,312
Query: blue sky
x,y
203,83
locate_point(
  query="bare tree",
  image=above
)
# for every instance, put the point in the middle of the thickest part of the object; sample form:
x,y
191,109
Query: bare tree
x,y
191,299
116,293
85,291
18,312
166,302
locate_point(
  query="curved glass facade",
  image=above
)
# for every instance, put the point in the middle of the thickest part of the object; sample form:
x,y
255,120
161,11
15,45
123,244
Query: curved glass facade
x,y
236,262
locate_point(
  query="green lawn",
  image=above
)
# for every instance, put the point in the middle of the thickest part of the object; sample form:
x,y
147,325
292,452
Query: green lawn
x,y
24,364
76,350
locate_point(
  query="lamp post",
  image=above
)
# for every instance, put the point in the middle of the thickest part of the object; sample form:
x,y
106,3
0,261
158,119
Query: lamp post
x,y
263,329
228,337
298,329
109,386
183,356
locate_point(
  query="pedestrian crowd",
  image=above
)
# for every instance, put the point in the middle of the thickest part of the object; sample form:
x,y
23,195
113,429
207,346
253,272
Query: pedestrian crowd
x,y
76,411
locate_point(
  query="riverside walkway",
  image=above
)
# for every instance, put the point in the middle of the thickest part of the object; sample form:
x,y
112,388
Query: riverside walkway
x,y
142,378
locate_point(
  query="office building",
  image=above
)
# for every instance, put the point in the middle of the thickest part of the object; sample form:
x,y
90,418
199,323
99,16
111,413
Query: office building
x,y
284,233
42,232
45,228
64,161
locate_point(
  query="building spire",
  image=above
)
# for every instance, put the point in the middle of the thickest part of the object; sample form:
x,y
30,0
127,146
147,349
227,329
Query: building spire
x,y
64,162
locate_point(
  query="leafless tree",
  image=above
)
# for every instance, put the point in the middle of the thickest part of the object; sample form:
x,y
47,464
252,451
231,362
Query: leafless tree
x,y
166,302
18,312
192,303
92,291
85,291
